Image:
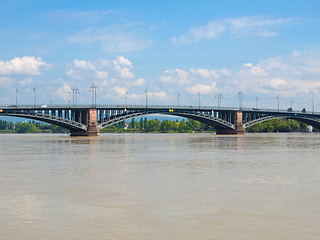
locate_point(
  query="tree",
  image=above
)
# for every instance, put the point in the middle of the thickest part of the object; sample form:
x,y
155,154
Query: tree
x,y
26,128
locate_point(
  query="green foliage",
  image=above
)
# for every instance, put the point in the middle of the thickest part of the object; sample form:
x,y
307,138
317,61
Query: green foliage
x,y
278,125
26,128
154,125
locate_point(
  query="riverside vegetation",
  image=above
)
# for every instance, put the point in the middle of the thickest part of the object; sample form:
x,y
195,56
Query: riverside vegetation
x,y
155,126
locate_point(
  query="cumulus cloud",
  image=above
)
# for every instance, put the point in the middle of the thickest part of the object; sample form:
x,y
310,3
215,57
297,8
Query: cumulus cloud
x,y
138,82
292,74
63,92
119,90
26,82
179,76
123,67
248,26
23,66
203,89
101,69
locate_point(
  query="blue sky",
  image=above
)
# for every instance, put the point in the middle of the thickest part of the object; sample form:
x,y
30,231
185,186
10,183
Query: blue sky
x,y
266,49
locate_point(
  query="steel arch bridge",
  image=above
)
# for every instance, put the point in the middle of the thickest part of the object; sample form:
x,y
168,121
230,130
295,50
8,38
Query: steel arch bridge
x,y
86,120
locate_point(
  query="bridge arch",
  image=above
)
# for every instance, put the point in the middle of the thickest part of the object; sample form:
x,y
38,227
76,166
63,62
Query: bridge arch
x,y
310,120
55,120
204,118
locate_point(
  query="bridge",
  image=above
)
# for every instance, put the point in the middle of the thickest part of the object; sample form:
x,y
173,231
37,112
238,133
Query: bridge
x,y
87,120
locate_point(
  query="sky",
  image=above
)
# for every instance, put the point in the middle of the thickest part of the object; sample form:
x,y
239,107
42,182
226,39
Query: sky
x,y
170,50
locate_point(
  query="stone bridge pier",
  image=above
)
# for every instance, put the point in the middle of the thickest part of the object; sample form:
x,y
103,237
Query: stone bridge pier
x,y
239,129
90,118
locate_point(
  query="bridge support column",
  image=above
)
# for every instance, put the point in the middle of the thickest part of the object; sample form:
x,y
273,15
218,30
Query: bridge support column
x,y
92,123
238,123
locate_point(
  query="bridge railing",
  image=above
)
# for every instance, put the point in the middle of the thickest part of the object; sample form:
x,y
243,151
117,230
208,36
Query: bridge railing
x,y
123,106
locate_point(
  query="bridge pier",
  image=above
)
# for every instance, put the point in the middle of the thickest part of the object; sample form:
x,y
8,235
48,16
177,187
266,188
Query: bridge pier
x,y
91,120
239,129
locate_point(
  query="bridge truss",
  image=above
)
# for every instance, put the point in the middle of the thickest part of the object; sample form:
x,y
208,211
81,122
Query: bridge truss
x,y
81,118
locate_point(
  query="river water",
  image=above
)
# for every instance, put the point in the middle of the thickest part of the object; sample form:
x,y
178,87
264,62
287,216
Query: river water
x,y
160,186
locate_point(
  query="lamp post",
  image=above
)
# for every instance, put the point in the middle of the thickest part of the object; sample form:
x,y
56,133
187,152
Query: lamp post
x,y
178,98
94,90
278,103
312,105
126,98
75,91
257,102
240,95
146,92
199,98
219,96
17,96
34,97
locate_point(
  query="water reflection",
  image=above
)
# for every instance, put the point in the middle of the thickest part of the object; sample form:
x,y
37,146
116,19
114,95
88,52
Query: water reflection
x,y
160,186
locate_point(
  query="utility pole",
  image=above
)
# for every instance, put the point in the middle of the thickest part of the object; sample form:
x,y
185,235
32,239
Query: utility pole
x,y
219,96
240,95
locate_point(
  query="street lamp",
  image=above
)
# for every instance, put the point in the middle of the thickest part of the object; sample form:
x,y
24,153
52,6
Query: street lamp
x,y
17,96
199,98
126,98
219,96
94,90
34,97
312,105
278,103
178,98
240,95
257,102
75,91
146,92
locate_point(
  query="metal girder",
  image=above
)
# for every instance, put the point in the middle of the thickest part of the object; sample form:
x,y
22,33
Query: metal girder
x,y
62,122
206,118
302,118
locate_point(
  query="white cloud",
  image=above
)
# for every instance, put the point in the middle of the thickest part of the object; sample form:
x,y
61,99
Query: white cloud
x,y
179,76
63,92
276,83
23,66
237,27
159,95
26,82
113,39
119,90
138,82
203,89
204,73
123,67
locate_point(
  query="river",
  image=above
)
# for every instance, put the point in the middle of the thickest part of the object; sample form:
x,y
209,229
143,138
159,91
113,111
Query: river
x,y
160,186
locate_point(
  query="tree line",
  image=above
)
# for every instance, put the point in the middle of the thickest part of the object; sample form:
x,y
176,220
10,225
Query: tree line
x,y
29,127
